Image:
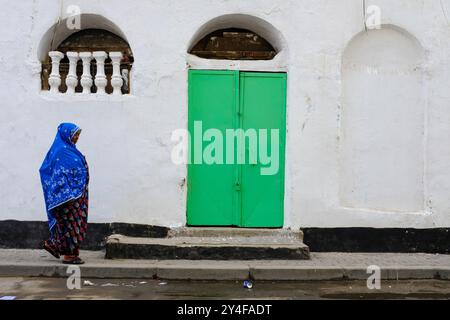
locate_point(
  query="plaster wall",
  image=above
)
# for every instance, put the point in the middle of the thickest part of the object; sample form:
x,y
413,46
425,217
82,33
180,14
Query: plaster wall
x,y
331,180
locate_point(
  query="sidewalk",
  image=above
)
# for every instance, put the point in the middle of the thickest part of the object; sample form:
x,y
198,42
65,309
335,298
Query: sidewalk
x,y
322,266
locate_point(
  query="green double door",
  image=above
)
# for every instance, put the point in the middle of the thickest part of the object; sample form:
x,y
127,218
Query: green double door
x,y
237,126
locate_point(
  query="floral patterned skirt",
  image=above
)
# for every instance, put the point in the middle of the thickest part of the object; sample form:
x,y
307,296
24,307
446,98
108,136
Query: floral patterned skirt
x,y
71,226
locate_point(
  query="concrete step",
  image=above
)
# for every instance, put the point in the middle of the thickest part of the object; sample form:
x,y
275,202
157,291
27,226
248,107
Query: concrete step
x,y
235,232
211,244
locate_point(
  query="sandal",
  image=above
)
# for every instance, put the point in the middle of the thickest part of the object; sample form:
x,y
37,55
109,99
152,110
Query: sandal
x,y
75,260
50,250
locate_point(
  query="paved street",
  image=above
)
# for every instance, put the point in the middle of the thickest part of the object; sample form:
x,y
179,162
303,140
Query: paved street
x,y
55,288
33,274
322,266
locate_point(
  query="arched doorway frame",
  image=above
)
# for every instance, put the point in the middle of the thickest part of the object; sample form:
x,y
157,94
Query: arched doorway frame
x,y
279,64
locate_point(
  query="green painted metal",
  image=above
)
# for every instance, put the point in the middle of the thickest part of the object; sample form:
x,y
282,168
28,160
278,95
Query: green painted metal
x,y
212,100
263,105
235,194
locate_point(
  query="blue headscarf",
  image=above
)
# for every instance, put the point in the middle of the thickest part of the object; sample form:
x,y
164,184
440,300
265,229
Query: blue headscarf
x,y
63,172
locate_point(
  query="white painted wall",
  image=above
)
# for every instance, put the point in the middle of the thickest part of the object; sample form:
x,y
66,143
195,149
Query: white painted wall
x,y
382,126
331,181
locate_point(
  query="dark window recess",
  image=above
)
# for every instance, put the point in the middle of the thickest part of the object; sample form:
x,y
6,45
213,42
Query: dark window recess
x,y
91,40
234,44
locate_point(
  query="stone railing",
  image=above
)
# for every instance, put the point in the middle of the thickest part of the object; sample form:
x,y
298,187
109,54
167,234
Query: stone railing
x,y
65,79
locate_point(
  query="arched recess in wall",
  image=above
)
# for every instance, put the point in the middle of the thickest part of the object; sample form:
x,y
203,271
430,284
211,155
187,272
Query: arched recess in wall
x,y
249,39
383,117
97,34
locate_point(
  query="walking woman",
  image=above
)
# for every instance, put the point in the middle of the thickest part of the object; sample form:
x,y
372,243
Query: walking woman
x,y
65,178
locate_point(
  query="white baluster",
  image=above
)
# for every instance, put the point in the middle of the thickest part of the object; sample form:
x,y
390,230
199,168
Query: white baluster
x,y
86,78
55,79
116,79
72,79
100,78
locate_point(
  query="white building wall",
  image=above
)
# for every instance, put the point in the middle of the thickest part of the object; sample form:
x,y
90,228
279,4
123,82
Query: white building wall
x,y
382,123
127,139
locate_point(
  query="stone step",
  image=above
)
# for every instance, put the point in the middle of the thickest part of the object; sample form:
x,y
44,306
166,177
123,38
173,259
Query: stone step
x,y
186,246
235,232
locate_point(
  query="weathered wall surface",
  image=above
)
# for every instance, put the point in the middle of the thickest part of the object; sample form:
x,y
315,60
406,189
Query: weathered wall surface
x,y
336,113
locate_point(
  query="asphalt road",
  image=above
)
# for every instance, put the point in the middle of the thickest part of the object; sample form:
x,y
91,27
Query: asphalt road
x,y
56,288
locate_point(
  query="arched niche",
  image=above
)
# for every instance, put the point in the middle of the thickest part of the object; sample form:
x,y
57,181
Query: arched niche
x,y
96,34
382,123
60,31
248,25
